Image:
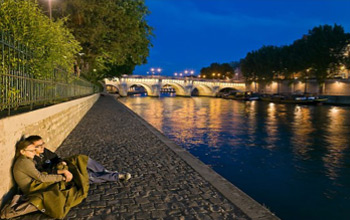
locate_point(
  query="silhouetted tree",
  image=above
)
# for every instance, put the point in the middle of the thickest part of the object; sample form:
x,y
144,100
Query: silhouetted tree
x,y
217,71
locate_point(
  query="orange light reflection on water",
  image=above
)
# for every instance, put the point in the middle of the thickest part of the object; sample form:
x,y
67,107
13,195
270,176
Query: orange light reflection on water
x,y
338,143
302,129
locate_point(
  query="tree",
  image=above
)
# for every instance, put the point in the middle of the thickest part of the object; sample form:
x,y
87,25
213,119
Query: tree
x,y
318,54
51,43
113,34
324,44
217,71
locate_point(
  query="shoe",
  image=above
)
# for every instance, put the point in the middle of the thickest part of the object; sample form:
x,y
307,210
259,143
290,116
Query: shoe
x,y
125,176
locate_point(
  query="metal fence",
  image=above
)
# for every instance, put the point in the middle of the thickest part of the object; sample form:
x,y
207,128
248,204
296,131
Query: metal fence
x,y
19,87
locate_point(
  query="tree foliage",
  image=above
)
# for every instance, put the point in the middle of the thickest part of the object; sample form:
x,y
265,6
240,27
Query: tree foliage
x,y
319,54
51,43
217,71
114,34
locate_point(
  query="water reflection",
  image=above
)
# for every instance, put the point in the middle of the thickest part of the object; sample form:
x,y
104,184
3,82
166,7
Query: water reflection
x,y
302,129
271,126
338,143
271,151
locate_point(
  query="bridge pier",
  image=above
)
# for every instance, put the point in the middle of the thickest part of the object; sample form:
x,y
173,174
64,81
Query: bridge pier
x,y
123,90
155,91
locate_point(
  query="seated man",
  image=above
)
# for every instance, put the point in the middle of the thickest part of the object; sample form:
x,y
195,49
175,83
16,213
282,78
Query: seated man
x,y
49,162
52,194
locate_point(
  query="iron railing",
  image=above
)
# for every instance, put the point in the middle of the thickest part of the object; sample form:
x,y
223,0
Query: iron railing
x,y
19,86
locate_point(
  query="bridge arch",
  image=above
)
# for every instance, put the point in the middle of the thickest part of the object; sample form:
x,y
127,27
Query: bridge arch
x,y
147,87
179,90
229,88
110,88
203,90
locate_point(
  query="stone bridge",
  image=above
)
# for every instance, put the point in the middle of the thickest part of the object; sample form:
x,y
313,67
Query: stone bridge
x,y
182,86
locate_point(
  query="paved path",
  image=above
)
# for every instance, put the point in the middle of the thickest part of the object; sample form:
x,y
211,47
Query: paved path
x,y
163,185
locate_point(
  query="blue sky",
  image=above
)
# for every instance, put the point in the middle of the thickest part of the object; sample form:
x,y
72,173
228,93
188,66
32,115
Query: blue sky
x,y
191,34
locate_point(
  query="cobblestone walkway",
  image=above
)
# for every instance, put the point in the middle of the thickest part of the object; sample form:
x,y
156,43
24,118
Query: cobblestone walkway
x,y
163,185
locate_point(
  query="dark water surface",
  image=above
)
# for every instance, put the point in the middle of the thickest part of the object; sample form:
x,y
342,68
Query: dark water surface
x,y
294,159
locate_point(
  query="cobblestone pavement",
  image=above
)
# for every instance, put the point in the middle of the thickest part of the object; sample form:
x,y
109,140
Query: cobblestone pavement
x,y
163,185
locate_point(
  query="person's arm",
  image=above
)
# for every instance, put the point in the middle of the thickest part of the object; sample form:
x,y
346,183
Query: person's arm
x,y
29,168
68,175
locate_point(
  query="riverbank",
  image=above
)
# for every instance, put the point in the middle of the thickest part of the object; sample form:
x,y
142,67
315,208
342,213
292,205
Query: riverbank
x,y
337,100
167,183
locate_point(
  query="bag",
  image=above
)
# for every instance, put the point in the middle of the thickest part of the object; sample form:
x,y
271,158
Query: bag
x,y
19,205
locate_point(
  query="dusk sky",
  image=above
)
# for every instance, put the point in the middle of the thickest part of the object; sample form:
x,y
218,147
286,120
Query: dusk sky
x,y
191,34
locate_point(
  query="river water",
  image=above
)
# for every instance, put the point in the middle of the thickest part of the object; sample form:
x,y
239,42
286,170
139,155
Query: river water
x,y
294,159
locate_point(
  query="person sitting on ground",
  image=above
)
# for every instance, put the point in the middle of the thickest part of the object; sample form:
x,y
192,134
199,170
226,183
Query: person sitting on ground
x,y
24,170
49,162
52,194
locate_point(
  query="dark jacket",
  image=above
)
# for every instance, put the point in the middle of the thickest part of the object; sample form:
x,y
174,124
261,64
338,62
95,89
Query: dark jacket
x,y
47,162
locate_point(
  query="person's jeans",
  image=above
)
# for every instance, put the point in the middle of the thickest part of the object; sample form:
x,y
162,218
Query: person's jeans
x,y
98,174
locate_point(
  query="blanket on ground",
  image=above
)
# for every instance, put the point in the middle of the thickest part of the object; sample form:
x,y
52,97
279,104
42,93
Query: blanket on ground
x,y
56,199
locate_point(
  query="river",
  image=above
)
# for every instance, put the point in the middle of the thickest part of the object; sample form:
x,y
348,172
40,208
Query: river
x,y
294,159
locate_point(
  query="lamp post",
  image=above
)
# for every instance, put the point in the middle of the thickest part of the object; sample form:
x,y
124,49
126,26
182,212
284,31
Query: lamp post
x,y
50,11
152,71
191,72
159,70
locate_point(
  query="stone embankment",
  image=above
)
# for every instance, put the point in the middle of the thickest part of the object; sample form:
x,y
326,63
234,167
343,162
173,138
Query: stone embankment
x,y
167,183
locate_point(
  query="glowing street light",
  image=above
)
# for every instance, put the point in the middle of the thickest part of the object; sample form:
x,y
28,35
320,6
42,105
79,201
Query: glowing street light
x,y
175,74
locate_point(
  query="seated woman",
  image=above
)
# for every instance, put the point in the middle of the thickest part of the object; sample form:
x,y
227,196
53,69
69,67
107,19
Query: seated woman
x,y
24,170
52,194
49,162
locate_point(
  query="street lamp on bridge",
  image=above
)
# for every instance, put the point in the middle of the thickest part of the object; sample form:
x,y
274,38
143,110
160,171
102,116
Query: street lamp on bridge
x,y
154,71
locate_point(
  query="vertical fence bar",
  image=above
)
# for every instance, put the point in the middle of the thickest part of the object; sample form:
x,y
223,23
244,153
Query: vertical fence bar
x,y
2,95
19,86
8,76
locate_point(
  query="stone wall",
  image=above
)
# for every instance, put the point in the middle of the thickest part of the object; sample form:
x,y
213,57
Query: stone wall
x,y
53,123
332,87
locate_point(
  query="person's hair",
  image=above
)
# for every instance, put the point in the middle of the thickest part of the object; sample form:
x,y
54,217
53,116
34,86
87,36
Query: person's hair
x,y
33,138
21,145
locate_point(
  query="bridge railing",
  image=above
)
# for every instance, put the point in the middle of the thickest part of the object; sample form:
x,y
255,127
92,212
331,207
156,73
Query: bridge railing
x,y
181,78
19,86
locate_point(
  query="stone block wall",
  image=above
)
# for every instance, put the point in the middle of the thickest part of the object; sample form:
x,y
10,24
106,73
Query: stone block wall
x,y
53,123
332,87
